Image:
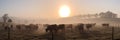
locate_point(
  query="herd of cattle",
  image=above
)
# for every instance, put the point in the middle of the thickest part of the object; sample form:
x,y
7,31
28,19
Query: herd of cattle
x,y
62,27
54,27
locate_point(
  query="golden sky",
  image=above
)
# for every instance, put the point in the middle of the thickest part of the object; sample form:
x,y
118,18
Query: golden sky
x,y
50,8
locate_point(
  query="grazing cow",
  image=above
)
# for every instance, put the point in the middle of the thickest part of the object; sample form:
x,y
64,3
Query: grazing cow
x,y
31,27
69,26
80,27
51,28
105,25
18,27
34,27
61,27
6,28
27,27
88,26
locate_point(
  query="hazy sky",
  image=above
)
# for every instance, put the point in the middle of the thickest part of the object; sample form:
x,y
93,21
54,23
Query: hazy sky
x,y
50,8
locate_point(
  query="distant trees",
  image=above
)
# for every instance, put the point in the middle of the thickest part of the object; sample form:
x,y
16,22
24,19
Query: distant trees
x,y
7,21
5,18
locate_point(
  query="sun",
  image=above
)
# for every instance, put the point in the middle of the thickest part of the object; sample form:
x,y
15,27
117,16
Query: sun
x,y
64,11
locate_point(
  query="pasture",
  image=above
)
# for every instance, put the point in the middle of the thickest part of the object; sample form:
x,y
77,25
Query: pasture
x,y
70,32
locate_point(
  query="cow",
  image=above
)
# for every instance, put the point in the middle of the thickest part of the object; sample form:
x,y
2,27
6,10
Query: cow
x,y
51,28
6,28
105,25
27,27
69,26
18,27
31,27
61,27
80,27
88,26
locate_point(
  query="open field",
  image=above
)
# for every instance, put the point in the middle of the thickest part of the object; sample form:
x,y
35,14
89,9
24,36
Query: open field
x,y
95,33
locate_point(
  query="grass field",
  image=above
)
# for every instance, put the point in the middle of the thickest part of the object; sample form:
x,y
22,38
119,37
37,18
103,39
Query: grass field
x,y
95,33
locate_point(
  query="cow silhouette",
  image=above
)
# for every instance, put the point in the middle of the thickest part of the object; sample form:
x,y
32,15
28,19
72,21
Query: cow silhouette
x,y
88,26
18,27
105,25
80,27
31,27
61,27
52,28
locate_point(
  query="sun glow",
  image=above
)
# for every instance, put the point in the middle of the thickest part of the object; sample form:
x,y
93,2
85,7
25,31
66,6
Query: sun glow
x,y
64,11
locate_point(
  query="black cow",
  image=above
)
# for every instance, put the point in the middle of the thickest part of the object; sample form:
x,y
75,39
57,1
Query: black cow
x,y
61,27
51,28
6,27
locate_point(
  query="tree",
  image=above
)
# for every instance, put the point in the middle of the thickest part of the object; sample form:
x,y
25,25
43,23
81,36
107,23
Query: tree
x,y
5,18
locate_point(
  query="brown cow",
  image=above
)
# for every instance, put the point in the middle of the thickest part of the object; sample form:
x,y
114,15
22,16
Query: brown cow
x,y
31,27
80,27
105,25
88,26
18,27
61,27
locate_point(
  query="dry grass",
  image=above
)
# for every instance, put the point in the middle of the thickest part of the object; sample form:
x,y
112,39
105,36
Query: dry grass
x,y
95,33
